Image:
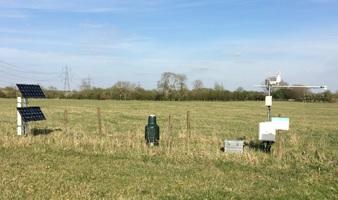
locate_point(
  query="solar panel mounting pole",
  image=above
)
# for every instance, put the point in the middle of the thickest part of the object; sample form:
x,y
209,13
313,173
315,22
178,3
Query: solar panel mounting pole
x,y
19,120
21,125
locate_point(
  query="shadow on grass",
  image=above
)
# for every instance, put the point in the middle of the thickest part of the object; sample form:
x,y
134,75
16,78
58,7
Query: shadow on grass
x,y
43,131
260,146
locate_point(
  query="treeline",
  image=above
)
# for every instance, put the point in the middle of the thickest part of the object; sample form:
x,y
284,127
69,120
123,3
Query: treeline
x,y
202,94
139,93
301,94
173,87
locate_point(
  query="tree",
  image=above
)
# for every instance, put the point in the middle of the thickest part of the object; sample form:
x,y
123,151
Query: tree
x,y
298,93
218,93
2,94
124,88
218,86
53,92
183,89
171,83
240,89
240,94
10,92
181,81
197,84
281,93
328,97
167,84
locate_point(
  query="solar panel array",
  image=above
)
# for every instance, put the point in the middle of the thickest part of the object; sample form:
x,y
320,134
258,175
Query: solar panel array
x,y
31,91
29,114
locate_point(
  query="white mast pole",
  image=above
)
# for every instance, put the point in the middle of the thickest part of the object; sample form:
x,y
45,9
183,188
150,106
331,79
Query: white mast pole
x,y
269,106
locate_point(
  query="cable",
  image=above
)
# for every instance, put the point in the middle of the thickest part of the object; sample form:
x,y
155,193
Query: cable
x,y
18,76
19,69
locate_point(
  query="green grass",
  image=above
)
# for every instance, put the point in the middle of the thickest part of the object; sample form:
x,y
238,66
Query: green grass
x,y
80,163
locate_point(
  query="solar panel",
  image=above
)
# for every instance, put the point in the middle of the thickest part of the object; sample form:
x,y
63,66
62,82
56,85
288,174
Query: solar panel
x,y
31,91
29,114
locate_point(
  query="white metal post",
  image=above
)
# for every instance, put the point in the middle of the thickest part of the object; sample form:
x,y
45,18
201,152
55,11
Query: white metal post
x,y
269,107
20,125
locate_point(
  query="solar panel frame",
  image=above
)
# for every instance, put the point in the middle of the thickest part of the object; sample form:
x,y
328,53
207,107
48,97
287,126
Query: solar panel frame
x,y
31,91
29,114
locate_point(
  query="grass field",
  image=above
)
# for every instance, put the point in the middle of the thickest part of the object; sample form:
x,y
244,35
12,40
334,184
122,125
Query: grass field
x,y
71,159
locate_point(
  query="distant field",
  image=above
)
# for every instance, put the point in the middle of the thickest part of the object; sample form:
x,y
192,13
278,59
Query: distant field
x,y
72,160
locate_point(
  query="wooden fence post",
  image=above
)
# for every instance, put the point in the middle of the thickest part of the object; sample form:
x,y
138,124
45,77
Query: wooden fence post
x,y
65,116
188,130
99,121
170,125
170,135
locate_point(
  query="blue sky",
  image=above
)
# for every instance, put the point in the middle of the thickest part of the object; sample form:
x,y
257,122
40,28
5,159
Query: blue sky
x,y
234,42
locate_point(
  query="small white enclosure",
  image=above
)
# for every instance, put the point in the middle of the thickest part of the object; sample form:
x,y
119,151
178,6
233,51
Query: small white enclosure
x,y
281,123
268,101
267,131
233,146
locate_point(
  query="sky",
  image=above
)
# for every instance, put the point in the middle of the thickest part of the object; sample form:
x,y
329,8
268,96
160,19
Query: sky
x,y
234,42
